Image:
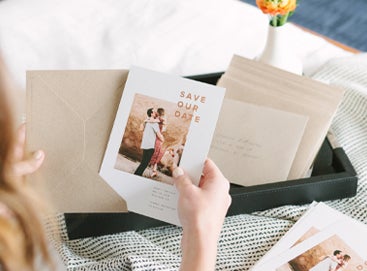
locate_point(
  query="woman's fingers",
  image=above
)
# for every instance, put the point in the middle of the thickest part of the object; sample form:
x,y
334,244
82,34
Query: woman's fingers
x,y
29,165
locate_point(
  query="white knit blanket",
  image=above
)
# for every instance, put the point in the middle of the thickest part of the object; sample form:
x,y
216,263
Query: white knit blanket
x,y
245,238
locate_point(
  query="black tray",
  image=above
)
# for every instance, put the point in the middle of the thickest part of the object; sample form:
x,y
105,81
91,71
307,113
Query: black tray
x,y
333,177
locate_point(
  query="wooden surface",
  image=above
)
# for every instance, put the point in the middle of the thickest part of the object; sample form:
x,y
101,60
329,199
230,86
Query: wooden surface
x,y
336,43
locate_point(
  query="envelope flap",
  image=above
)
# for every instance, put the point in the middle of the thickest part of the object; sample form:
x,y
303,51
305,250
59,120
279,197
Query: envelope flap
x,y
70,115
54,126
83,91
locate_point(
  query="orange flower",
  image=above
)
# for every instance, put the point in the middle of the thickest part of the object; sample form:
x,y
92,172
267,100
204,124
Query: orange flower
x,y
276,7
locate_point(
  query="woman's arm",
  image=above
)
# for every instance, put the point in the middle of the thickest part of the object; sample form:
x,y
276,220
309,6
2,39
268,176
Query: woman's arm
x,y
202,210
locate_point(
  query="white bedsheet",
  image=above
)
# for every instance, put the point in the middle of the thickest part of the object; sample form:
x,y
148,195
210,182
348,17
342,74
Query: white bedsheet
x,y
183,37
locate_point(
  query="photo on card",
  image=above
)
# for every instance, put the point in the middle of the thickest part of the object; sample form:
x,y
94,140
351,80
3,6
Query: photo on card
x,y
340,246
319,216
331,254
154,139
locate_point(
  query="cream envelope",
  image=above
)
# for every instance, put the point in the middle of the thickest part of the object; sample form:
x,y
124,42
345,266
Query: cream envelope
x,y
70,116
255,144
260,84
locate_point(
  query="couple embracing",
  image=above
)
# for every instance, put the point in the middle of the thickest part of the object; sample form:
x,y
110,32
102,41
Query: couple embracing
x,y
338,261
152,140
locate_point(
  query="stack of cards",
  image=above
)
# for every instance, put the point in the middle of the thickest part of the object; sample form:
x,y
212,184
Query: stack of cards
x,y
322,239
275,123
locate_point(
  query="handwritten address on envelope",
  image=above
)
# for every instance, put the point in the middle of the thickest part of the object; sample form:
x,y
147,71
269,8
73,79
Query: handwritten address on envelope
x,y
255,144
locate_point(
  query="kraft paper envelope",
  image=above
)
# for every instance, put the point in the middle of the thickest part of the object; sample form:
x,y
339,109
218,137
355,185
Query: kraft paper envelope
x,y
253,144
70,115
253,82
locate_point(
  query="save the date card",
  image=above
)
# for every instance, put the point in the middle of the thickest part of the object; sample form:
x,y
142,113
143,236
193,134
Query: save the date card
x,y
163,121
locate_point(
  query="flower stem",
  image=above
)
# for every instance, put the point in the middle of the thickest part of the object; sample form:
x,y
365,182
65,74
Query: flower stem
x,y
283,19
274,21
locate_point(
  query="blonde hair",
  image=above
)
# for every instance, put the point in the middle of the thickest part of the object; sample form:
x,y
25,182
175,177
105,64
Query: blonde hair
x,y
23,242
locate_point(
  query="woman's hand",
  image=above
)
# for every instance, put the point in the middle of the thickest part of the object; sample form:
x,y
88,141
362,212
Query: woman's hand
x,y
19,164
201,210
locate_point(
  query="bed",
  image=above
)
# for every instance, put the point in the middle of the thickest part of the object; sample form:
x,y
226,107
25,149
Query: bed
x,y
187,38
182,37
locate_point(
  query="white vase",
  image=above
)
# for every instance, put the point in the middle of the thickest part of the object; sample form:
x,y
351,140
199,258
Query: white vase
x,y
278,51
